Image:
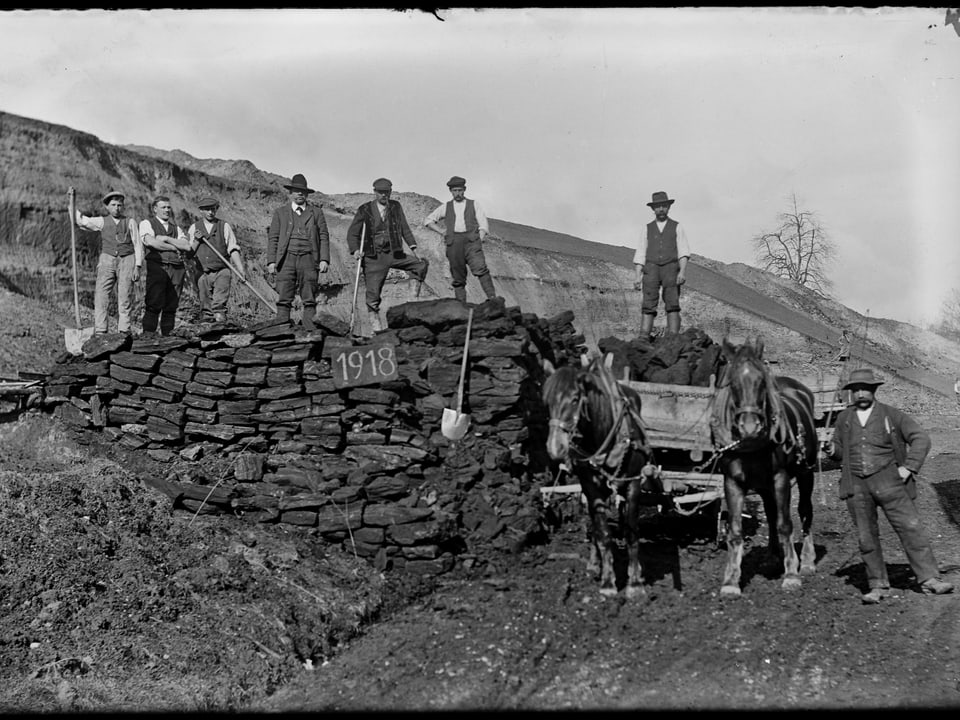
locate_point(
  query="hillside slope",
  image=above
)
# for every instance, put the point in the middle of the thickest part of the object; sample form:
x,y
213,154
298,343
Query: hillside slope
x,y
542,271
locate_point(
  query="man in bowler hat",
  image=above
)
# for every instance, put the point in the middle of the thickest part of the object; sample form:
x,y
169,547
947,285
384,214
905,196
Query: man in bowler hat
x,y
881,450
375,238
463,225
660,263
298,251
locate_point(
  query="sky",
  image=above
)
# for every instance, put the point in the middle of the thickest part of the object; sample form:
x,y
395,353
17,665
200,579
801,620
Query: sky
x,y
566,119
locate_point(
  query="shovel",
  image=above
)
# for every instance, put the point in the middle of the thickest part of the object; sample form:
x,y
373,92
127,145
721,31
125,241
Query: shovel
x,y
74,339
454,423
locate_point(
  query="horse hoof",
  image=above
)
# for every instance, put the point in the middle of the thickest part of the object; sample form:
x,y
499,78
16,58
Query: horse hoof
x,y
790,583
608,592
634,592
730,591
808,569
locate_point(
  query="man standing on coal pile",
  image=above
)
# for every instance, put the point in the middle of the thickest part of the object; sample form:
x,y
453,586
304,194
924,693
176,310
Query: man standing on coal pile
x,y
165,244
298,251
881,449
120,263
660,263
464,228
375,238
208,235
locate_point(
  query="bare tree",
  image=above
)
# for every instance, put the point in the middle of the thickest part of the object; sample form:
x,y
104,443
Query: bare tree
x,y
949,321
799,249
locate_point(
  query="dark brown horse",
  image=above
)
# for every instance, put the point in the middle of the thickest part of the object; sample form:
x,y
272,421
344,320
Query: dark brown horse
x,y
765,428
595,429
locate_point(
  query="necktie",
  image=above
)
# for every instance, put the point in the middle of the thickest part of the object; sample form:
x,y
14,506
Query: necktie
x,y
299,211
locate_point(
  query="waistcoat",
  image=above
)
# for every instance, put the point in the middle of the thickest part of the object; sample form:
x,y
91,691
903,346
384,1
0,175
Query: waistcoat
x,y
870,447
115,237
300,235
661,246
170,257
469,218
208,259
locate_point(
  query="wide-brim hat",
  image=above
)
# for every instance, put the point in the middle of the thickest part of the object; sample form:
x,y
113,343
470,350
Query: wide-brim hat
x,y
862,376
659,198
299,182
208,202
112,194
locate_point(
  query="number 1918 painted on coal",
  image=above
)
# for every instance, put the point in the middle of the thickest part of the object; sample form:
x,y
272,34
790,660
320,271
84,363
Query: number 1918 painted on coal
x,y
363,365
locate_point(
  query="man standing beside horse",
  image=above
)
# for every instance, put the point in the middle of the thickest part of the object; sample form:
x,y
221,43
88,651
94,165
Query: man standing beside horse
x,y
881,449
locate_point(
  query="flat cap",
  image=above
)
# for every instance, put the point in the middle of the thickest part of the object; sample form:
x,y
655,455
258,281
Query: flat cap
x,y
382,185
208,202
456,181
112,194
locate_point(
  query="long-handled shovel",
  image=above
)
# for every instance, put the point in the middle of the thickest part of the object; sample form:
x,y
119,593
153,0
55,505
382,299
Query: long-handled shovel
x,y
74,339
273,308
356,282
453,423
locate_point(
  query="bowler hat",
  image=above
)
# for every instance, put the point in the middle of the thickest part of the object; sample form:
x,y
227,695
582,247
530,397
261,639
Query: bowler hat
x,y
456,181
208,202
112,194
299,182
382,185
659,198
862,376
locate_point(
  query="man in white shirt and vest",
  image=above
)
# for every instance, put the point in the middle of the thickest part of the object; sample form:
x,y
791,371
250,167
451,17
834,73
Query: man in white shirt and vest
x,y
165,243
213,241
298,251
463,225
120,263
661,265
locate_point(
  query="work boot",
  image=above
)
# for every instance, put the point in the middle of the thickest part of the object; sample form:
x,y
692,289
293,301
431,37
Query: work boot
x,y
486,282
646,326
460,293
375,323
673,323
936,586
876,595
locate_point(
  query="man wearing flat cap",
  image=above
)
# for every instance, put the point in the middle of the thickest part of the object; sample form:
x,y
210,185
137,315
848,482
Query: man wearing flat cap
x,y
660,263
120,262
881,450
375,238
463,225
214,245
298,251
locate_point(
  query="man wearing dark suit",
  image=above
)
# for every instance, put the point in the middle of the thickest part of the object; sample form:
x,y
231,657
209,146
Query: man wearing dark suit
x,y
298,251
376,238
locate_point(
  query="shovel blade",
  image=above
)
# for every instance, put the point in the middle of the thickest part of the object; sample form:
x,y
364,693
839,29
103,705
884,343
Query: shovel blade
x,y
453,424
74,339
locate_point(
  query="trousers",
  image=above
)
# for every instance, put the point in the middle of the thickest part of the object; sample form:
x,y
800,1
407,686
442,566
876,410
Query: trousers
x,y
113,272
886,490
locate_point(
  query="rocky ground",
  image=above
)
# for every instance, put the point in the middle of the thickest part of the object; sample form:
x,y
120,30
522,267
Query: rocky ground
x,y
112,600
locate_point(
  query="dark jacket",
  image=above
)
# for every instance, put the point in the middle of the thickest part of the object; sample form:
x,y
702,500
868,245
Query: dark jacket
x,y
281,226
889,431
367,221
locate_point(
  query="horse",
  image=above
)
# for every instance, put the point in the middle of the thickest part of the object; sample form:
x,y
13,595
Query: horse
x,y
596,430
763,427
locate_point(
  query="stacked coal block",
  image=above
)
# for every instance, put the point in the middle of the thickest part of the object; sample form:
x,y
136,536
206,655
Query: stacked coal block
x,y
364,466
